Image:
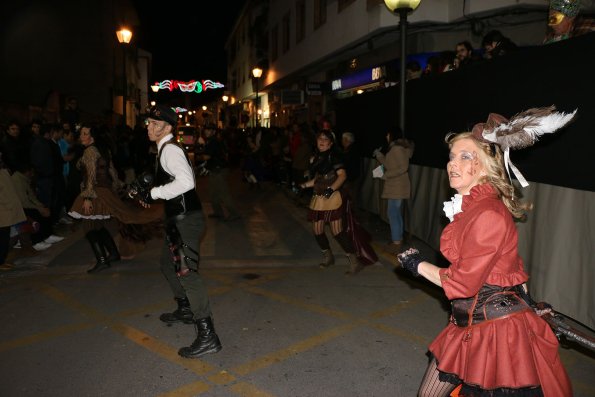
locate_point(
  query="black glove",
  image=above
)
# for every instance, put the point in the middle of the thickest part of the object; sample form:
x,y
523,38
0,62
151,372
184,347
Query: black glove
x,y
140,188
145,196
328,192
410,260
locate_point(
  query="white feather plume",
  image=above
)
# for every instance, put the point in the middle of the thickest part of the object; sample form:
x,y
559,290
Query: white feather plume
x,y
524,129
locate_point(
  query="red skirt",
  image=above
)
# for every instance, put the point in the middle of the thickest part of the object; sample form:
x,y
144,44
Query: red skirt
x,y
519,351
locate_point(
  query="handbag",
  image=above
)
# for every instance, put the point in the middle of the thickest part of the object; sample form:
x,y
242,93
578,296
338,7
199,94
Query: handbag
x,y
320,203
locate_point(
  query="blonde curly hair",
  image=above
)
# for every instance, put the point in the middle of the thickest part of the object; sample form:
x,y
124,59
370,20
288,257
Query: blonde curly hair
x,y
493,161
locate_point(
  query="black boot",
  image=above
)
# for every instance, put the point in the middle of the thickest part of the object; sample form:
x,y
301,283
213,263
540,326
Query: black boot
x,y
206,342
328,258
102,261
181,314
109,245
355,266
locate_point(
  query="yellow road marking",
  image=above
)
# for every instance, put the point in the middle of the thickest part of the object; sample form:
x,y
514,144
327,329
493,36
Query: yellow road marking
x,y
418,298
421,340
164,350
40,337
299,303
188,390
293,350
168,352
222,378
248,390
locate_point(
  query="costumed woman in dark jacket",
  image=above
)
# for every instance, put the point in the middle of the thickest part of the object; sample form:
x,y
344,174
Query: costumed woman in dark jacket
x,y
496,344
329,204
98,201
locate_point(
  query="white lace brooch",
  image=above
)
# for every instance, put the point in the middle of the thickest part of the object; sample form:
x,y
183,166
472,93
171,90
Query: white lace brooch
x,y
453,207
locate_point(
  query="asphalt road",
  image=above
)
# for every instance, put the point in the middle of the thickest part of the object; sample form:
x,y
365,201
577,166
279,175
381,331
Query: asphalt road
x,y
288,327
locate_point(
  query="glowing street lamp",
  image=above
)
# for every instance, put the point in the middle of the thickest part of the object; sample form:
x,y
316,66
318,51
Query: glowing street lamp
x,y
124,36
256,72
402,7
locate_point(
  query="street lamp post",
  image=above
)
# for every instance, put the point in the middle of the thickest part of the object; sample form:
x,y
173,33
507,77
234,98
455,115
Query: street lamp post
x,y
225,98
256,72
402,7
124,35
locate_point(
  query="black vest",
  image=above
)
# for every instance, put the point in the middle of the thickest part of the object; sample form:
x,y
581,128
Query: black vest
x,y
185,202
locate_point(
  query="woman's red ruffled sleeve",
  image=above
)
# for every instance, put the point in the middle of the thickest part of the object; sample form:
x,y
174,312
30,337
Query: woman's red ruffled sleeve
x,y
479,249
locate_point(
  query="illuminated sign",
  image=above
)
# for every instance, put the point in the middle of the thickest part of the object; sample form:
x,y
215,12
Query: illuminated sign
x,y
190,86
357,79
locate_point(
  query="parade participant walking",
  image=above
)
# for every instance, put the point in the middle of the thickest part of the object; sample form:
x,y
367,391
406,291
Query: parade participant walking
x,y
99,199
329,202
495,343
185,225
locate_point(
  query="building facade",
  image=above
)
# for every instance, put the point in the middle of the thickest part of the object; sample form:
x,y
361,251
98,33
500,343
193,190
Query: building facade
x,y
314,52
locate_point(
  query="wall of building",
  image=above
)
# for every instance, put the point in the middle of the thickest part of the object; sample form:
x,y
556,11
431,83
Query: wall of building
x,y
61,46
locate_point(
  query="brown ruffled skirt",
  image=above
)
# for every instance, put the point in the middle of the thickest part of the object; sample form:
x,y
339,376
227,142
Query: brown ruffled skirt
x,y
108,204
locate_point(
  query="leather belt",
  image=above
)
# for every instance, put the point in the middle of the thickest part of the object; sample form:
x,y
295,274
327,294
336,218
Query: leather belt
x,y
491,303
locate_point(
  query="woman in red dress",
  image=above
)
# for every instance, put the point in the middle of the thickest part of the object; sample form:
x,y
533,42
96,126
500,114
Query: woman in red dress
x,y
495,344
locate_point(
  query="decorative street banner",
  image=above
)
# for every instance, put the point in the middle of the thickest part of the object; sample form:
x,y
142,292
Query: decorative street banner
x,y
191,86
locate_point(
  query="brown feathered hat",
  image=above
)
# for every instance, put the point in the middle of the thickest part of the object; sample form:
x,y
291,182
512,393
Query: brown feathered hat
x,y
521,131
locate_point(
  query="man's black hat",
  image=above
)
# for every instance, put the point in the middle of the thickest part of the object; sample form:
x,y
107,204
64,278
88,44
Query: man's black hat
x,y
164,113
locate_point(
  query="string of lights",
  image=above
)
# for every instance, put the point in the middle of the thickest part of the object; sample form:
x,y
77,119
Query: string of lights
x,y
190,86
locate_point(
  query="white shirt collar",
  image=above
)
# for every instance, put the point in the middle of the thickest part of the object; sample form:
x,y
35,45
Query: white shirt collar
x,y
453,207
163,140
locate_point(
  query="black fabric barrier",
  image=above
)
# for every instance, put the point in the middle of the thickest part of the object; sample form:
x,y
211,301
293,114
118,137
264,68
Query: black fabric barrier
x,y
560,74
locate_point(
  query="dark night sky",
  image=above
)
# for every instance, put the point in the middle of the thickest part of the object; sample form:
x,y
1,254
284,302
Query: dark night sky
x,y
187,41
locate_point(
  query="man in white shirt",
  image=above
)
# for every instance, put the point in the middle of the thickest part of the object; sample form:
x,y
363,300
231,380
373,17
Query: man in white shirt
x,y
184,219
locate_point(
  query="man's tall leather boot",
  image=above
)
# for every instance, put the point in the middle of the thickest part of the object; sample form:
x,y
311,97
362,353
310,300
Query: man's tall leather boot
x,y
206,341
109,245
100,255
181,314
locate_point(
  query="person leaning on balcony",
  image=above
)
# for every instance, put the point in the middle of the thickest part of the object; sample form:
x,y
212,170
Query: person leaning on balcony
x,y
465,55
495,45
564,21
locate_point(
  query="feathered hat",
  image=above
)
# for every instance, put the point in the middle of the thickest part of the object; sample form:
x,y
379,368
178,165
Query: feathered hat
x,y
570,8
521,131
